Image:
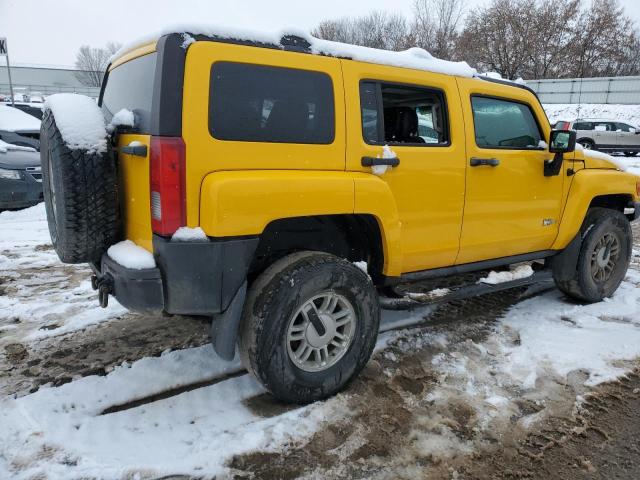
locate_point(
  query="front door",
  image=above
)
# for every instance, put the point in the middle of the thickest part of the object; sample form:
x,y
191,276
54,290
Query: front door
x,y
418,115
628,136
511,207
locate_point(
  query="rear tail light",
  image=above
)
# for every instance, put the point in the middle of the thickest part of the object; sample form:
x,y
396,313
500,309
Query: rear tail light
x,y
167,179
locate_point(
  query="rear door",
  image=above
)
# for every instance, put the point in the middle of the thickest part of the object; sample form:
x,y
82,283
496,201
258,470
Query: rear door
x,y
130,86
417,114
510,206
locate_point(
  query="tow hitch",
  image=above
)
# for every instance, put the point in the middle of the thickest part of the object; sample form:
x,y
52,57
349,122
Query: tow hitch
x,y
104,286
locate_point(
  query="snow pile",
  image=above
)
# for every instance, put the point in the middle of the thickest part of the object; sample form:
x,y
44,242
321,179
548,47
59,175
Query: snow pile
x,y
130,255
430,295
561,337
123,118
601,156
622,113
79,120
186,234
192,433
382,169
415,58
15,120
521,271
59,296
5,147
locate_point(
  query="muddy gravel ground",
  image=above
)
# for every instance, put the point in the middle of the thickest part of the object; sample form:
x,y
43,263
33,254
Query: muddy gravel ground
x,y
391,414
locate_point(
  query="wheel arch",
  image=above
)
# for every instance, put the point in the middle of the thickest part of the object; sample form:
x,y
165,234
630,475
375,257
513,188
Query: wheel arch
x,y
593,188
356,237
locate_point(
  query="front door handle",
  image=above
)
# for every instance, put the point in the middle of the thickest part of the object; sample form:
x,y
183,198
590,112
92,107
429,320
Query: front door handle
x,y
373,161
479,162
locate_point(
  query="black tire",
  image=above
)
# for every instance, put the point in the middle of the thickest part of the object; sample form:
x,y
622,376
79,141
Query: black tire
x,y
585,286
587,144
630,154
271,303
81,197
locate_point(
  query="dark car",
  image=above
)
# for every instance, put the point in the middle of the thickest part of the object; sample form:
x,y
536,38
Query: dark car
x,y
20,177
20,139
31,109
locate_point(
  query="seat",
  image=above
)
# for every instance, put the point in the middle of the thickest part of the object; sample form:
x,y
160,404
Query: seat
x,y
401,125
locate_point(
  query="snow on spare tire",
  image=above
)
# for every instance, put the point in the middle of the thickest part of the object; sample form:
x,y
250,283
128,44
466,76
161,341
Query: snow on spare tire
x,y
79,178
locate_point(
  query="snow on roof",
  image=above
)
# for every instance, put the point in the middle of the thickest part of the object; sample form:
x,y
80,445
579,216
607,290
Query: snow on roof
x,y
13,119
79,120
415,58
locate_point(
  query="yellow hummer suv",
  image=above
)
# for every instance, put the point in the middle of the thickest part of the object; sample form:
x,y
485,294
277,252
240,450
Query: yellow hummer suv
x,y
285,187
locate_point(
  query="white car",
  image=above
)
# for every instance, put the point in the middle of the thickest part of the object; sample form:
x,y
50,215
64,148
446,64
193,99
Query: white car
x,y
605,135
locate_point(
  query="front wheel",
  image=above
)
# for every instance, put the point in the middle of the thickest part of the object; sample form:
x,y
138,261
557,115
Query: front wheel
x,y
604,256
309,326
630,154
587,144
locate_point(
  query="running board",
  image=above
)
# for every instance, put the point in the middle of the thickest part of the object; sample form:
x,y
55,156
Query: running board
x,y
464,292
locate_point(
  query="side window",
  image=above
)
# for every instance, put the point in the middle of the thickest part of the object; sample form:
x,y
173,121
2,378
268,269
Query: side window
x,y
397,114
623,127
257,103
583,126
602,127
504,124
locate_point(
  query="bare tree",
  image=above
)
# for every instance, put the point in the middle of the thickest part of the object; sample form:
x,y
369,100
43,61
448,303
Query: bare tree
x,y
376,30
436,24
92,63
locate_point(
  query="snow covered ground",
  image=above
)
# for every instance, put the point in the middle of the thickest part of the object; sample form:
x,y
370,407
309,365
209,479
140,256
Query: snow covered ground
x,y
623,113
186,412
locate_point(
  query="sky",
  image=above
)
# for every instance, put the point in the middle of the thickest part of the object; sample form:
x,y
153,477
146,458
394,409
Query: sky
x,y
53,30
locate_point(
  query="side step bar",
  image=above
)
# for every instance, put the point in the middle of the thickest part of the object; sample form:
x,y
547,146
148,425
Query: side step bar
x,y
472,290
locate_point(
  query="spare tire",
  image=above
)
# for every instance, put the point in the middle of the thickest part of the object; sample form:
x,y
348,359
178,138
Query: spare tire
x,y
81,197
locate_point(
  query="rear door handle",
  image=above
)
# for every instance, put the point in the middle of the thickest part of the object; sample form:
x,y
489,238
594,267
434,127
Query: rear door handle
x,y
373,161
136,149
479,162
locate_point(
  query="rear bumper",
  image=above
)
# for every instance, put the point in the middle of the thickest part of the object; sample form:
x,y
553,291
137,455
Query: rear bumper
x,y
191,278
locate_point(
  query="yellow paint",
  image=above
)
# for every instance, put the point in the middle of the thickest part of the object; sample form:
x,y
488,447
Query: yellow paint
x,y
206,154
588,184
428,185
134,192
433,210
506,206
135,53
245,202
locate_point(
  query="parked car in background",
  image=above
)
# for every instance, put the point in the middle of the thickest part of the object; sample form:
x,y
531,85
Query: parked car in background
x,y
20,177
20,124
33,109
604,135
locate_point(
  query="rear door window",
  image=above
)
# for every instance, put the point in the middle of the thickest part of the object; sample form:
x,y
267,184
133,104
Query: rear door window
x,y
130,86
504,124
398,114
259,103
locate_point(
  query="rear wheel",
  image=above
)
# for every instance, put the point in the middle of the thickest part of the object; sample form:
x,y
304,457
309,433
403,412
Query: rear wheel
x,y
309,326
604,256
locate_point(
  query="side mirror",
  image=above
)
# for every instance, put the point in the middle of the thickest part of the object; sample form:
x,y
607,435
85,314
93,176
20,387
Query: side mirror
x,y
562,141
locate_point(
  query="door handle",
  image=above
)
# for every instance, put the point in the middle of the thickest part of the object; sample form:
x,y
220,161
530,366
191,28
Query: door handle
x,y
479,162
373,161
136,149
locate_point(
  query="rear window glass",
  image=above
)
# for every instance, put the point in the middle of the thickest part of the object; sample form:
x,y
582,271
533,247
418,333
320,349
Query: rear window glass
x,y
130,86
256,103
504,124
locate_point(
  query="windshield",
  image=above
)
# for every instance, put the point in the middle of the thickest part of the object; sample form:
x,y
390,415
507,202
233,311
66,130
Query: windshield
x,y
130,86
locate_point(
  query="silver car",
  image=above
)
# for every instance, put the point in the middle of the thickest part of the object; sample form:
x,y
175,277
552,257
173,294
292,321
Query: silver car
x,y
605,135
